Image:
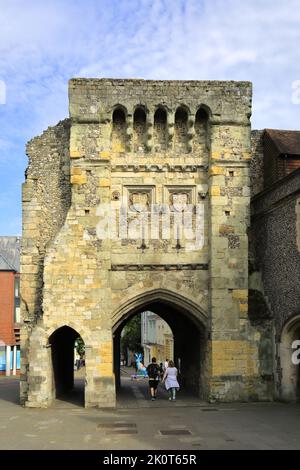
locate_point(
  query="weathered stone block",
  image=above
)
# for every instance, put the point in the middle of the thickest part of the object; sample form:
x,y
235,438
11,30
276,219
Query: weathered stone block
x,y
78,179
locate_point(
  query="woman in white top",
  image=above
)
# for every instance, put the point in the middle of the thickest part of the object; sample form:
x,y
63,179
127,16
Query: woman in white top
x,y
170,380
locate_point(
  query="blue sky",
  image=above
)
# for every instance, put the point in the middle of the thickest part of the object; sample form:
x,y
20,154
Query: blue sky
x,y
44,43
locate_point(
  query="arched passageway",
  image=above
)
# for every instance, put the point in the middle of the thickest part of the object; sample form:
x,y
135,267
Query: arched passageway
x,y
63,343
189,344
289,361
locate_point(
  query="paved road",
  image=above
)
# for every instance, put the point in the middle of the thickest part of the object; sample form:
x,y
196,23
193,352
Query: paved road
x,y
183,425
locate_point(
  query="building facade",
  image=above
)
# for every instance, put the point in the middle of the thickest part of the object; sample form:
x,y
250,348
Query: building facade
x,y
156,338
274,256
9,305
141,202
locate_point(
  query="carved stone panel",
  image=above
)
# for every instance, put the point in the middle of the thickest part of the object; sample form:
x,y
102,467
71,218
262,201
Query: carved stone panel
x,y
138,198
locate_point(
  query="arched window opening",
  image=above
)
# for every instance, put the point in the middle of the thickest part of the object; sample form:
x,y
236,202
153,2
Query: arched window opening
x,y
139,130
181,130
119,130
201,118
160,134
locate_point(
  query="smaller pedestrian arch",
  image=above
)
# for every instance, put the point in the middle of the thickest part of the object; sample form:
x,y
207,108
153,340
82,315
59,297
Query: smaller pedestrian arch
x,y
66,343
290,369
189,327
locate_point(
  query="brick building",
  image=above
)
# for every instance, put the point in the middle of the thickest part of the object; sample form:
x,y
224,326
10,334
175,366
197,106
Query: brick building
x,y
9,305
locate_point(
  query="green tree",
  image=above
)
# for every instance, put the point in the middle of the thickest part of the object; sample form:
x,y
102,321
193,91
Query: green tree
x,y
131,336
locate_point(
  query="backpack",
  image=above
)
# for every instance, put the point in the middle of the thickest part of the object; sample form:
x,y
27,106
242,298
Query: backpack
x,y
153,371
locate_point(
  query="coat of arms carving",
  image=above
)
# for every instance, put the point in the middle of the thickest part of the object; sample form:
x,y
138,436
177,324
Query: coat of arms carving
x,y
139,201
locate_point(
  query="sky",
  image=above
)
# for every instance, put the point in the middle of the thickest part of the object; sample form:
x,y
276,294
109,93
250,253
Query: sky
x,y
45,43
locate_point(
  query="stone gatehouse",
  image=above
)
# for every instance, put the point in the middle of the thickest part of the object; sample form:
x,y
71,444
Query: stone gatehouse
x,y
134,148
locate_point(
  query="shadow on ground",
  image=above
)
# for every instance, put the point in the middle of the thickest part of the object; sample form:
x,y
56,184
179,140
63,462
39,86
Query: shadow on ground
x,y
10,390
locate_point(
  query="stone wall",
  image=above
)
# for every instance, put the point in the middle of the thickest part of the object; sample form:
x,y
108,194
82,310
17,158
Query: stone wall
x,y
46,200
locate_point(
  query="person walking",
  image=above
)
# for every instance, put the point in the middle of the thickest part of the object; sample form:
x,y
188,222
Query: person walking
x,y
153,374
170,380
166,364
